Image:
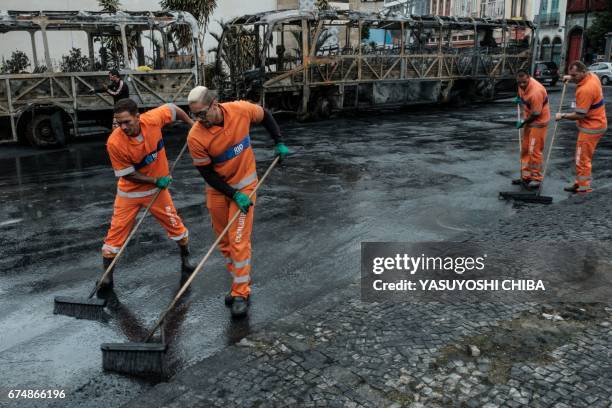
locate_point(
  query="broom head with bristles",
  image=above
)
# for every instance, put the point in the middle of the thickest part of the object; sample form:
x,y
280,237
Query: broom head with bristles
x,y
525,197
140,359
81,308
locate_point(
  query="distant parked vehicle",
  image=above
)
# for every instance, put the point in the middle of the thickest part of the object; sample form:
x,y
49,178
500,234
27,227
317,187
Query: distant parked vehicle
x,y
546,72
603,70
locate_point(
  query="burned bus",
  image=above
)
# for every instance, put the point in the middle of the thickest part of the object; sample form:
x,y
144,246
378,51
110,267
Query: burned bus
x,y
313,63
52,104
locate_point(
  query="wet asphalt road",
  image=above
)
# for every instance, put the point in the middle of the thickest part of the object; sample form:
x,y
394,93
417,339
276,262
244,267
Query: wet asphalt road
x,y
412,175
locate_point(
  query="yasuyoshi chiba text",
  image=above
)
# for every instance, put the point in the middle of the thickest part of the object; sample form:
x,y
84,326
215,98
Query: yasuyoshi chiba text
x,y
460,285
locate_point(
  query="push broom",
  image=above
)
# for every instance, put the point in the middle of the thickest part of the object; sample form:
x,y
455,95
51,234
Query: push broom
x,y
537,197
147,359
92,308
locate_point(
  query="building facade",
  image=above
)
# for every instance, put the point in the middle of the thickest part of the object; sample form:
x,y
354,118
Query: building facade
x,y
359,5
408,7
580,14
466,8
550,18
510,9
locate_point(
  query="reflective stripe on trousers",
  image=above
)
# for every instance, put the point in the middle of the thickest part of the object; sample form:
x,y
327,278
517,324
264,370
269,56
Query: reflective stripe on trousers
x,y
125,211
532,147
235,246
136,194
585,148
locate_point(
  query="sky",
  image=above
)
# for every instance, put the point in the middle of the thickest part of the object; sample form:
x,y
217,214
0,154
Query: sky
x,y
60,43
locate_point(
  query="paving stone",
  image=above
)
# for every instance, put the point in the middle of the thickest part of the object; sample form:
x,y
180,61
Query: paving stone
x,y
397,355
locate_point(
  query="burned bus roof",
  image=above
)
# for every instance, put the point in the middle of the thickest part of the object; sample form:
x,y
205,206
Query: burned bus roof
x,y
386,18
98,21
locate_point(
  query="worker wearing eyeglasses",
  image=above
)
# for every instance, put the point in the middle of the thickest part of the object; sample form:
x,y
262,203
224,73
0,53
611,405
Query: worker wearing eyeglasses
x,y
220,145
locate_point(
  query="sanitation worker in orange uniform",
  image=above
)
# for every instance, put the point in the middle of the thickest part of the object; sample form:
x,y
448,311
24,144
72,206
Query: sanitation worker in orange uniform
x,y
533,97
590,117
220,145
138,156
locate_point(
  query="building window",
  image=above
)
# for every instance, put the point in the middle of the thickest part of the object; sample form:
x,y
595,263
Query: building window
x,y
545,53
556,51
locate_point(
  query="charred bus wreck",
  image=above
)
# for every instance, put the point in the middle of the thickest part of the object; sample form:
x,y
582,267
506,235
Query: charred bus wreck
x,y
50,105
312,63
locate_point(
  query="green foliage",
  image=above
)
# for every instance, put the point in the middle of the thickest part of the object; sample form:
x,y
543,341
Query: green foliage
x,y
109,6
238,49
17,64
365,32
597,31
212,76
323,4
111,52
74,61
200,9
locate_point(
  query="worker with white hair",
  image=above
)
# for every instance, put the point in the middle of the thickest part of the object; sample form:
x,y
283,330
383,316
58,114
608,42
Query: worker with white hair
x,y
220,145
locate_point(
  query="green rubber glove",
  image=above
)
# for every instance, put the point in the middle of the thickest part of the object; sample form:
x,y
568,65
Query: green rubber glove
x,y
519,124
163,182
518,100
243,201
281,150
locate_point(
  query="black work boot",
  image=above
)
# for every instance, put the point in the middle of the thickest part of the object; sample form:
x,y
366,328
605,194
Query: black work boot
x,y
533,185
240,307
107,284
187,267
520,181
571,188
229,299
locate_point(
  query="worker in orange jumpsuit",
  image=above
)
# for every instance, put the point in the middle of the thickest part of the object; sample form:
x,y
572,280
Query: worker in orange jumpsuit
x,y
533,97
590,117
221,149
138,157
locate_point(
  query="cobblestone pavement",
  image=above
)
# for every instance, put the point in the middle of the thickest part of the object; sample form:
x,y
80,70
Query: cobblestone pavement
x,y
342,352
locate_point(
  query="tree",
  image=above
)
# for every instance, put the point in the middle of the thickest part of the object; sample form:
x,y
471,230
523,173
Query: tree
x,y
323,4
17,64
111,49
237,52
602,24
200,9
74,61
365,32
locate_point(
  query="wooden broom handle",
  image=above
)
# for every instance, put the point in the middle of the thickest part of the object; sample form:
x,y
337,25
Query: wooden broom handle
x,y
552,139
142,217
210,250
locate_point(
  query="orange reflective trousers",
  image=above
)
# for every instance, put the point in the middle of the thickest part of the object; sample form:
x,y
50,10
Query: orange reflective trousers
x,y
235,246
125,211
585,148
532,147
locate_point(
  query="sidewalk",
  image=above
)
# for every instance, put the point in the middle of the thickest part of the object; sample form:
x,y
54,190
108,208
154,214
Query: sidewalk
x,y
340,352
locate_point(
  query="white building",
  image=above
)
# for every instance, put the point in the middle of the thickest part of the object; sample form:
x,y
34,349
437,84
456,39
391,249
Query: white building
x,y
550,18
466,8
408,7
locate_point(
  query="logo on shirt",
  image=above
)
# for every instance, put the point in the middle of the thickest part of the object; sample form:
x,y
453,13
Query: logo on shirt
x,y
238,149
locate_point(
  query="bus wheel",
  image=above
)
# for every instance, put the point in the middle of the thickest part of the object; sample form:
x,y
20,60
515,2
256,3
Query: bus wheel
x,y
43,131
